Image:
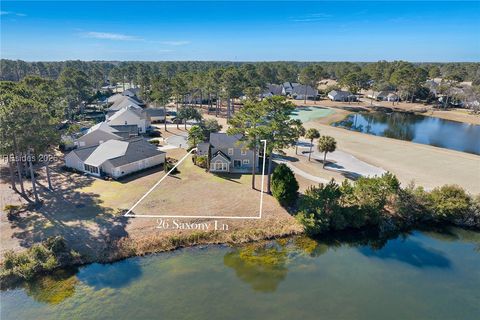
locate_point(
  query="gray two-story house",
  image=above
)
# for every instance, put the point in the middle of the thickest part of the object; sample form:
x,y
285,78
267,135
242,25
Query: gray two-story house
x,y
227,153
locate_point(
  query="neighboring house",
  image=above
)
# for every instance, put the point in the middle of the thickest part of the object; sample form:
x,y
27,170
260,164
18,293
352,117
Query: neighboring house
x,y
272,90
115,158
98,134
155,114
226,153
126,131
130,116
194,97
339,95
300,91
393,97
114,98
383,95
287,88
118,99
132,92
123,103
433,86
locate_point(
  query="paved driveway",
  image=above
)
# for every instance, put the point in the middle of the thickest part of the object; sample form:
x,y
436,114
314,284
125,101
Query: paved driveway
x,y
179,141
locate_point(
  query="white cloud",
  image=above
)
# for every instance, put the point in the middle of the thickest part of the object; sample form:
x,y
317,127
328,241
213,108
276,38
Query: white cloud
x,y
110,36
174,43
4,13
312,17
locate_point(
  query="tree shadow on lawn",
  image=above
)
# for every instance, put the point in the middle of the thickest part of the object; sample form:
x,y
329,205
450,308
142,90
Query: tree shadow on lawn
x,y
79,217
233,177
285,157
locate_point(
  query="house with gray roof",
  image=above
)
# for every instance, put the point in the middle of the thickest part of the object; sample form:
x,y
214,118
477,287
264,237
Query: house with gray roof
x,y
122,103
227,153
155,114
112,99
272,90
287,88
301,92
98,134
102,132
132,92
115,158
120,96
339,95
130,116
383,95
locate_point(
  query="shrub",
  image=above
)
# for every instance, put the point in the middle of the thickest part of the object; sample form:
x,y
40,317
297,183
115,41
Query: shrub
x,y
26,264
449,202
169,164
154,142
201,161
411,203
154,134
284,185
369,196
324,208
42,257
56,244
333,207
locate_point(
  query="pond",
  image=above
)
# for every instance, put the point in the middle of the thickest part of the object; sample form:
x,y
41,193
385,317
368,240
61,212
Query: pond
x,y
306,114
413,276
417,128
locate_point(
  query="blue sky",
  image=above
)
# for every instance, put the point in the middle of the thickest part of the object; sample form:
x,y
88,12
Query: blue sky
x,y
240,31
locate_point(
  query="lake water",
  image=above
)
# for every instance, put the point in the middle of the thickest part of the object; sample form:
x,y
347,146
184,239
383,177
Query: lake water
x,y
306,114
421,129
423,275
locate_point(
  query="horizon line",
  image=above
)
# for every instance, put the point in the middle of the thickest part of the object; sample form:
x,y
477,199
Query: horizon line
x,y
251,61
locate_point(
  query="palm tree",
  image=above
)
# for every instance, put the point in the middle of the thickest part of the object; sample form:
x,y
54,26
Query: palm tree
x,y
326,144
312,134
301,133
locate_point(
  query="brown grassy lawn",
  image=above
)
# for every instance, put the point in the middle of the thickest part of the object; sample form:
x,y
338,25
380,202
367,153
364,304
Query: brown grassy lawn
x,y
87,212
196,192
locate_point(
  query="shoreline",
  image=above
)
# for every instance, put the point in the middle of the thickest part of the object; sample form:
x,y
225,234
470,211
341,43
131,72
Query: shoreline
x,y
387,229
452,114
198,239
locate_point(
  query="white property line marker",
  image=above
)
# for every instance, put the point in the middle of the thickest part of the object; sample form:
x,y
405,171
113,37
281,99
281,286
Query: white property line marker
x,y
128,214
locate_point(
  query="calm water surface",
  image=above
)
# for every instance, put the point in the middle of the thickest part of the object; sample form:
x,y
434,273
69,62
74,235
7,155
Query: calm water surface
x,y
421,129
424,275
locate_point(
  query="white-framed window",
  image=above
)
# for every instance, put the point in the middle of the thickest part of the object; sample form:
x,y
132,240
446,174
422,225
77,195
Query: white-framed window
x,y
220,166
91,169
246,161
244,152
230,151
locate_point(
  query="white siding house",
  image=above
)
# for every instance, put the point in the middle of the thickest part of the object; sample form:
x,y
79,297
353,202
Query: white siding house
x,y
115,158
130,116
